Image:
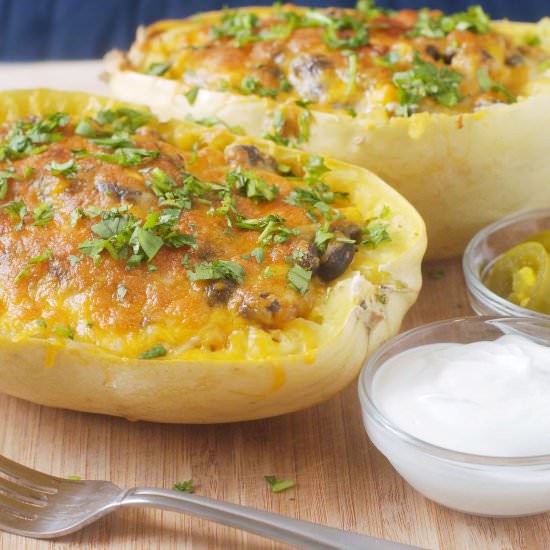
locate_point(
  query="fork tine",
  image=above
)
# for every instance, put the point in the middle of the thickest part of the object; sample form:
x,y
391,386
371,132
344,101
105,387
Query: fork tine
x,y
12,507
27,476
22,493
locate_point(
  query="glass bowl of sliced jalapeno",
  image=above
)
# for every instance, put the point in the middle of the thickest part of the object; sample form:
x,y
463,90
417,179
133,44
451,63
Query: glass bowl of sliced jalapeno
x,y
507,266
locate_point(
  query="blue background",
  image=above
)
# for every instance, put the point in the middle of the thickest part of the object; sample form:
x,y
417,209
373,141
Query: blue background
x,y
80,29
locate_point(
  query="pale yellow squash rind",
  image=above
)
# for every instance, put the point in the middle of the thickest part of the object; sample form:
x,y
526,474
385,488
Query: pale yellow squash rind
x,y
213,387
461,172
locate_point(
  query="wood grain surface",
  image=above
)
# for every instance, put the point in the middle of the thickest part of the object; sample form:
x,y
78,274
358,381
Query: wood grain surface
x,y
342,480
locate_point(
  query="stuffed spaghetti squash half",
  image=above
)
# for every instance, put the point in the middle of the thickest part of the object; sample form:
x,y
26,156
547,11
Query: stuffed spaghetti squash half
x,y
452,110
169,272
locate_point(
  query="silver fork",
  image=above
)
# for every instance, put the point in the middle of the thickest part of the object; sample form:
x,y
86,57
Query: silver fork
x,y
37,505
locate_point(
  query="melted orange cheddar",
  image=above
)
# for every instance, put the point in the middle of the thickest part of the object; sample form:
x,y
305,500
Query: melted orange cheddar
x,y
353,61
111,235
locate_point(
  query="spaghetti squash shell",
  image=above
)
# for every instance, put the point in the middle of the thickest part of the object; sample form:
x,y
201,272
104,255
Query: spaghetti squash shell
x,y
80,376
461,172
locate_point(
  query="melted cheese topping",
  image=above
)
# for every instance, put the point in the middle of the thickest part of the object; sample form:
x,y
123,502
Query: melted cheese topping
x,y
54,287
263,51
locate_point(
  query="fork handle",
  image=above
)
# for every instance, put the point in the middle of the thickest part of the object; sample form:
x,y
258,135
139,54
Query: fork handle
x,y
303,534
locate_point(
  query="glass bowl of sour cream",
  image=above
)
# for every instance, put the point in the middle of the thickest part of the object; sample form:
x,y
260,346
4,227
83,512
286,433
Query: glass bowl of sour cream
x,y
461,409
486,247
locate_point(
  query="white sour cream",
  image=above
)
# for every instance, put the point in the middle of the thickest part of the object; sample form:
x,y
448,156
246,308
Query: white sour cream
x,y
487,398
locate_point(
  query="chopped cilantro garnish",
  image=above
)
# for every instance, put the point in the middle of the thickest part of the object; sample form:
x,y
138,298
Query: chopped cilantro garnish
x,y
388,60
212,121
322,237
259,254
278,129
184,486
436,274
532,39
316,167
114,141
75,259
351,72
65,331
277,485
123,122
44,257
251,185
25,137
124,237
28,172
218,269
25,272
317,197
486,83
375,232
252,85
192,94
124,156
438,26
239,25
158,69
299,278
369,9
16,211
304,119
426,80
340,32
272,227
5,176
42,214
156,351
67,169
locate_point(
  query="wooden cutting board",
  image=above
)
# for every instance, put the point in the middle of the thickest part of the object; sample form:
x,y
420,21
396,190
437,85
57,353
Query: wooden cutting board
x,y
342,480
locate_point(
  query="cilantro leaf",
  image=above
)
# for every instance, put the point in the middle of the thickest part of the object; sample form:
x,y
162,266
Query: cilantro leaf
x,y
5,176
192,94
439,26
426,80
218,269
252,85
42,214
156,351
16,211
124,156
251,185
158,68
184,486
66,331
375,232
239,25
277,485
486,83
299,278
322,237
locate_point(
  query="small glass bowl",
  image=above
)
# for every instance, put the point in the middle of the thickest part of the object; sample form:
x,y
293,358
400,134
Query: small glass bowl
x,y
476,484
486,246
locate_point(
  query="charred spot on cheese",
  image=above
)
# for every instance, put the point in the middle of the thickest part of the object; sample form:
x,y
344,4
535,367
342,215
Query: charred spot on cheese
x,y
324,55
249,156
129,234
116,190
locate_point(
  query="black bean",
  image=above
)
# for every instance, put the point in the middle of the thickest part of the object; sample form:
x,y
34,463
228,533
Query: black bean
x,y
336,259
218,292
